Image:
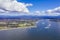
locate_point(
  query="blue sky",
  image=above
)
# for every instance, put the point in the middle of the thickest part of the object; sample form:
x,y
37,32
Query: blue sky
x,y
42,5
31,7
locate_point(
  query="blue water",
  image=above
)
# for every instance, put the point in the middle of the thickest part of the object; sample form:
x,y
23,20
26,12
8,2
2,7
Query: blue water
x,y
43,33
44,30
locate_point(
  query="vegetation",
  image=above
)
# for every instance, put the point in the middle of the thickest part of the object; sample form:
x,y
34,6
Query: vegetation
x,y
14,24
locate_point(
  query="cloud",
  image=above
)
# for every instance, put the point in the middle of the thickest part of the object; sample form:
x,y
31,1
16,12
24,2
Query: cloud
x,y
55,10
50,12
37,12
13,6
29,4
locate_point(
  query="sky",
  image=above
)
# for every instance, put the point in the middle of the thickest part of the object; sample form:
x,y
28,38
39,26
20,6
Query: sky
x,y
42,4
31,7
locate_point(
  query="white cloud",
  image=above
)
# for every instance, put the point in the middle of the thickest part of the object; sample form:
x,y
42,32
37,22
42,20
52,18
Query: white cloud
x,y
29,4
13,5
50,12
37,12
55,10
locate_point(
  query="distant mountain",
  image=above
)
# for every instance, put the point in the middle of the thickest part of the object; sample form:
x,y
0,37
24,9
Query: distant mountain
x,y
29,17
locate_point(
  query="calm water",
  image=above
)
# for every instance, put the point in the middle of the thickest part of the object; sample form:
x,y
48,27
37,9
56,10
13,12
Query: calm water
x,y
45,30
